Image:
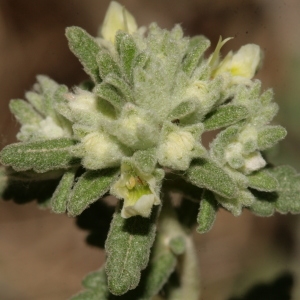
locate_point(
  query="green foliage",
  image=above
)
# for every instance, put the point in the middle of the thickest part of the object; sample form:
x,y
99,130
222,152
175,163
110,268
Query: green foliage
x,y
207,174
207,212
224,116
40,156
134,130
60,197
86,49
90,186
128,248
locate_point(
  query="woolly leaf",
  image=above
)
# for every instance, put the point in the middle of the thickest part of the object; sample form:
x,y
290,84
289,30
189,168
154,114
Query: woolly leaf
x,y
145,160
121,86
24,112
36,100
128,248
127,50
86,49
106,64
222,140
263,181
224,116
197,46
269,136
96,287
41,156
207,212
207,174
264,204
183,109
288,191
109,93
61,195
89,188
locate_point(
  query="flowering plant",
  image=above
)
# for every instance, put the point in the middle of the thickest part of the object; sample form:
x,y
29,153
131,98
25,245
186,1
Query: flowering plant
x,y
133,130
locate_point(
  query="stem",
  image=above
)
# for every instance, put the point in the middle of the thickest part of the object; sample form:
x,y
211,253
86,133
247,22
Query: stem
x,y
189,275
187,267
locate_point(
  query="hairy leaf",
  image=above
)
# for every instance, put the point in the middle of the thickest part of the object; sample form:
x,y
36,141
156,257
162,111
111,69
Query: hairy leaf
x,y
263,181
196,48
207,174
86,49
207,212
61,195
183,109
110,94
24,112
41,156
127,51
128,248
269,136
224,116
96,287
288,191
89,188
107,64
120,84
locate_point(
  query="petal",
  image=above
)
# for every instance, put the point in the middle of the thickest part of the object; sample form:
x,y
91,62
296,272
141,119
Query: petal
x,y
117,18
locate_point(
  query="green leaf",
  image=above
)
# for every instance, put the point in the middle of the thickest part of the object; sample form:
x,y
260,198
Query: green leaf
x,y
224,116
110,94
128,248
107,64
90,187
61,195
36,100
264,203
263,181
24,112
196,48
207,212
87,295
41,156
288,191
222,140
96,287
48,88
121,86
145,160
127,50
86,49
183,109
207,174
269,136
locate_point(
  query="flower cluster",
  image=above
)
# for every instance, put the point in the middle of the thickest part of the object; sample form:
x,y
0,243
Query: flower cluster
x,y
151,95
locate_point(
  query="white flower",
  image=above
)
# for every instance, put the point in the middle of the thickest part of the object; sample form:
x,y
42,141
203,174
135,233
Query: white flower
x,y
242,65
138,191
117,18
253,162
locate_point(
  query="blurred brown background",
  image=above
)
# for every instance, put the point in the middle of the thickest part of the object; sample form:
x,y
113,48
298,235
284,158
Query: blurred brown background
x,y
43,256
